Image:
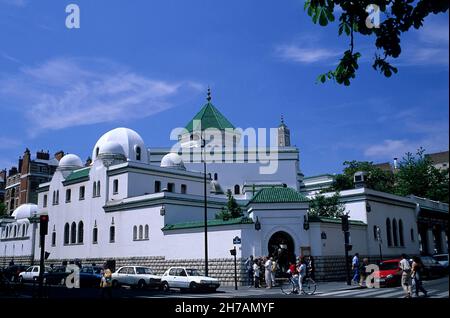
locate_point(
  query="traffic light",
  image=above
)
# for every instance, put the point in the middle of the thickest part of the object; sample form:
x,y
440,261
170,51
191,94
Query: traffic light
x,y
345,226
43,224
233,252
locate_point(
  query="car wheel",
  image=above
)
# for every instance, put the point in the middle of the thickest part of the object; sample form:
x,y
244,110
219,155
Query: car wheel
x,y
165,287
63,281
142,284
21,279
193,286
115,284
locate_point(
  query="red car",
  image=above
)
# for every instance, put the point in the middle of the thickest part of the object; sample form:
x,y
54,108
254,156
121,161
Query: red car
x,y
389,274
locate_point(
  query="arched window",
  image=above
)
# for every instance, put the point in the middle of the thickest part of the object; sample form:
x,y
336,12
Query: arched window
x,y
95,235
68,195
375,235
73,233
15,231
80,232
146,232
135,233
400,232
24,229
7,231
138,153
53,238
115,186
66,233
98,188
57,196
112,234
96,152
237,189
141,234
388,232
45,201
412,235
94,189
395,231
54,198
215,176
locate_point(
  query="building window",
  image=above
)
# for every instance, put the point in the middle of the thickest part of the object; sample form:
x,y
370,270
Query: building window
x,y
73,233
54,238
15,231
388,232
138,153
94,189
157,186
215,176
24,230
146,232
54,198
96,152
57,197
141,232
237,189
412,235
68,195
115,186
98,188
375,236
400,233
82,192
80,232
112,234
395,232
45,201
183,189
66,233
134,233
170,187
95,235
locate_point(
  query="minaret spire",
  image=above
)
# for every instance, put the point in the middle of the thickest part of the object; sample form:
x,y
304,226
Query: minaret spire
x,y
208,97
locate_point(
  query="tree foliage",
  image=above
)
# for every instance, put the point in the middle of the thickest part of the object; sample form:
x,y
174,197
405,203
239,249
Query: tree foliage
x,y
232,210
326,206
396,17
2,209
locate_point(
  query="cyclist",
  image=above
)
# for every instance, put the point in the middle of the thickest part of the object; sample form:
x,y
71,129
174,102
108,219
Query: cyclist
x,y
301,274
294,275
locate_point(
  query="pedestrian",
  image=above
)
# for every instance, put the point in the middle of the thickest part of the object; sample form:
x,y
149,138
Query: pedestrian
x,y
106,283
256,272
406,275
249,267
363,273
416,276
311,267
273,272
355,268
268,272
301,275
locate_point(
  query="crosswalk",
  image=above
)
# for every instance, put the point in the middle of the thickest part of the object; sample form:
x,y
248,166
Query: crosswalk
x,y
379,293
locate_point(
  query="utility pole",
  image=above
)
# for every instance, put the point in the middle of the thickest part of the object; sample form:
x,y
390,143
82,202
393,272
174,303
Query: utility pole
x,y
348,247
43,230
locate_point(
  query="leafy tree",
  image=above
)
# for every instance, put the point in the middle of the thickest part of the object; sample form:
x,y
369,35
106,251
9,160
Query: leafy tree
x,y
417,175
2,209
327,206
377,179
232,210
396,17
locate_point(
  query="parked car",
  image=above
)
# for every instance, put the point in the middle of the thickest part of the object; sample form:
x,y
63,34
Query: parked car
x,y
442,259
135,276
57,276
389,273
32,273
187,278
432,268
90,276
12,272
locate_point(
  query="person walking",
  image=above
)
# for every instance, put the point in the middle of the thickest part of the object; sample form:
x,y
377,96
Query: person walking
x,y
301,275
256,272
273,272
106,283
406,275
363,273
268,272
416,277
249,267
311,268
355,268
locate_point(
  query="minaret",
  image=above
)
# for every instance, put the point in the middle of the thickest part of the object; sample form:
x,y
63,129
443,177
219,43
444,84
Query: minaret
x,y
284,134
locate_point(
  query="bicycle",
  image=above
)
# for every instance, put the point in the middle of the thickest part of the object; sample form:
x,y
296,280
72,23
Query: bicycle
x,y
290,286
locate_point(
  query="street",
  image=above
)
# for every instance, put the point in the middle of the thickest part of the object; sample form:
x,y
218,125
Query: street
x,y
437,288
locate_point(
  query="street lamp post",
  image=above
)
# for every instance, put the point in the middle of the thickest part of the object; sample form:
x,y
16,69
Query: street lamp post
x,y
205,217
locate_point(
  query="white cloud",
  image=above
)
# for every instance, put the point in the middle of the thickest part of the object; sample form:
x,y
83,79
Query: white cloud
x,y
304,55
65,92
16,3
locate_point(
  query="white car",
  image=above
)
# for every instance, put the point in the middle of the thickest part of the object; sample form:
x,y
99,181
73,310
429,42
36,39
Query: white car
x,y
187,278
139,276
32,273
442,259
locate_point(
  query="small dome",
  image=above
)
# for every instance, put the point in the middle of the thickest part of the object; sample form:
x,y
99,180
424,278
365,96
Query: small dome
x,y
25,211
111,147
132,145
172,160
70,161
216,188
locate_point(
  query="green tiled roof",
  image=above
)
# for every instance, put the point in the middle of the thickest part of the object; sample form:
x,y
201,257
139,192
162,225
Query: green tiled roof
x,y
323,219
210,117
78,176
211,223
278,195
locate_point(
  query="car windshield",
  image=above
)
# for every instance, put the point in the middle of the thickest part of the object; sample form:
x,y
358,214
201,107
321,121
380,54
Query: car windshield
x,y
441,258
388,266
193,272
143,270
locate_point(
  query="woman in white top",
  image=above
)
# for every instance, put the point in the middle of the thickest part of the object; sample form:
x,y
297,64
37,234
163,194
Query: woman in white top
x,y
268,272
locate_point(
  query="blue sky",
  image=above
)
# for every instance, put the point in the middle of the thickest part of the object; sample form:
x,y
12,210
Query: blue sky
x,y
146,65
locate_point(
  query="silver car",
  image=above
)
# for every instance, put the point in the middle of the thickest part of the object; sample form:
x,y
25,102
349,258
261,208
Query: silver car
x,y
135,276
187,278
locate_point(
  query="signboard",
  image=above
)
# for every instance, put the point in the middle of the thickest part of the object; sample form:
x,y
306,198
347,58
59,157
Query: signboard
x,y
237,240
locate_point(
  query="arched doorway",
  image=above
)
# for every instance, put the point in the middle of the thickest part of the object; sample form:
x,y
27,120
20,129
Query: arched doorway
x,y
281,247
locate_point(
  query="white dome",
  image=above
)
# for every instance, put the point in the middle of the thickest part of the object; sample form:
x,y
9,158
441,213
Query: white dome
x,y
111,147
71,161
25,211
129,141
172,160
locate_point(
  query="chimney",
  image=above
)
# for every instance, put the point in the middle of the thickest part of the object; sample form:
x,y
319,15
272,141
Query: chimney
x,y
42,155
25,162
395,163
59,155
12,171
